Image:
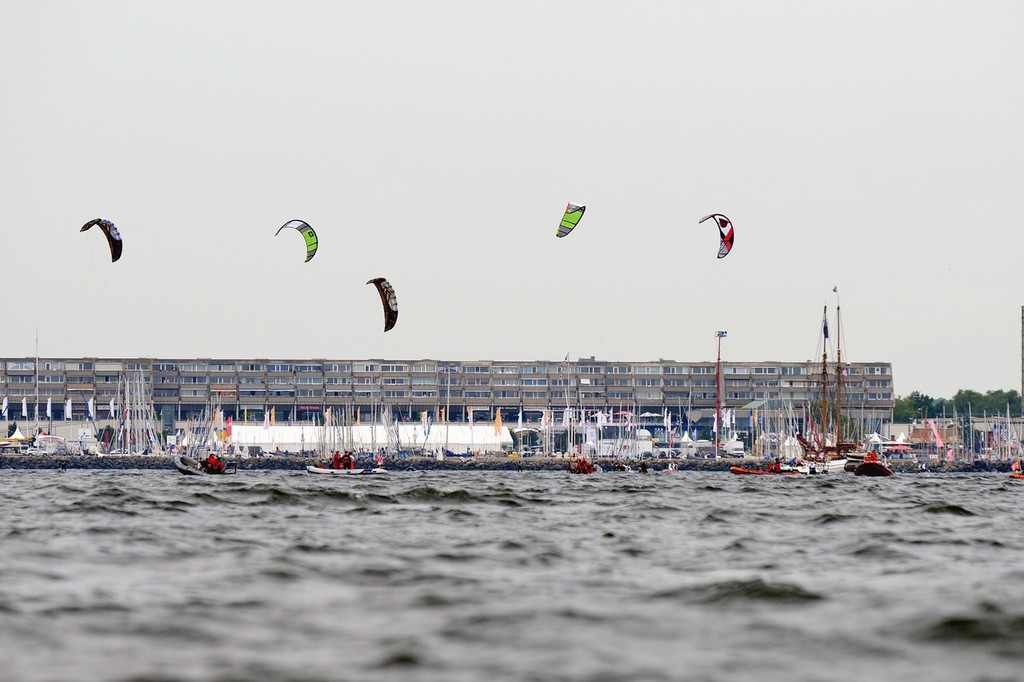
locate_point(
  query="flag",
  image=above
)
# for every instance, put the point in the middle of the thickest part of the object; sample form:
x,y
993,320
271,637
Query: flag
x,y
328,416
935,432
111,408
357,415
24,408
49,408
273,416
545,420
519,424
824,324
444,416
3,412
266,419
565,417
470,411
92,408
227,428
67,409
497,422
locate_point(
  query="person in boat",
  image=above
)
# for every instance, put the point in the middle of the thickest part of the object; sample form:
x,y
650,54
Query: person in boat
x,y
214,465
643,467
336,461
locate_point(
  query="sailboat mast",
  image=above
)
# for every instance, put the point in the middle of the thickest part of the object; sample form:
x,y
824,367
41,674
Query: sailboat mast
x,y
824,374
839,378
718,390
35,366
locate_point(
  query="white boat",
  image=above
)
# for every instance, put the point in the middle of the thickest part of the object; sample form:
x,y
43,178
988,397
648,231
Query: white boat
x,y
345,472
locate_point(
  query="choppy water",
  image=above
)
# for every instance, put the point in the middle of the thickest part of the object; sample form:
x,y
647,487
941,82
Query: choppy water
x,y
510,576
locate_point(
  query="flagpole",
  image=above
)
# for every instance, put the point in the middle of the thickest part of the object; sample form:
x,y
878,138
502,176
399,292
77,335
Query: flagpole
x,y
718,390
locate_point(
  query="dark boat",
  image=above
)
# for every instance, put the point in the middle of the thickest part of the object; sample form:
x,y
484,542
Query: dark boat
x,y
872,467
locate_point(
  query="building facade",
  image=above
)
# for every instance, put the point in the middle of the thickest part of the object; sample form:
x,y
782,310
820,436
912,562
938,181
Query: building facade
x,y
300,390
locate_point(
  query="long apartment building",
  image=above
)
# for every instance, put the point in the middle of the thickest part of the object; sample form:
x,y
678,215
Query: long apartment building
x,y
302,390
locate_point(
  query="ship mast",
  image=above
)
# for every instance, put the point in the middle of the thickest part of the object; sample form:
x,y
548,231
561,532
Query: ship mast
x,y
824,376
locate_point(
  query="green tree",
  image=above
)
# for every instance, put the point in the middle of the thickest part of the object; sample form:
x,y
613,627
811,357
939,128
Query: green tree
x,y
992,402
903,410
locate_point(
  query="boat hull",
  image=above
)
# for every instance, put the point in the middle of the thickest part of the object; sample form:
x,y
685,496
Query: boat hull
x,y
743,471
872,469
345,472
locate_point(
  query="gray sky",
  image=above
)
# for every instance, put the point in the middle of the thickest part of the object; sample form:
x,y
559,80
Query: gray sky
x,y
873,145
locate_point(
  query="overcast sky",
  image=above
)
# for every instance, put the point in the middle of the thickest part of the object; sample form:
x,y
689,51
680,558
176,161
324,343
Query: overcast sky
x,y
873,146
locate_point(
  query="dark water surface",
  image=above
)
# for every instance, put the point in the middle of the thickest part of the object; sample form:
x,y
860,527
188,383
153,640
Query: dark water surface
x,y
510,576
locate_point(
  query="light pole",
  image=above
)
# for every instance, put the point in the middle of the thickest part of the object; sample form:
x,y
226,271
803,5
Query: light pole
x,y
718,390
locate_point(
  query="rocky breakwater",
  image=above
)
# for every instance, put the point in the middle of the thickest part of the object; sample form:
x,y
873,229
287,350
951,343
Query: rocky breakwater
x,y
479,463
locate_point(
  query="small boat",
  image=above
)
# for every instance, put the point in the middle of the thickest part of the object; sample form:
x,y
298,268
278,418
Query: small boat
x,y
1017,474
191,467
744,471
872,467
345,472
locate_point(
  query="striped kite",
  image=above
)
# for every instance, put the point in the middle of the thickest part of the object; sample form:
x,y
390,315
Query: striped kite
x,y
308,234
572,216
725,231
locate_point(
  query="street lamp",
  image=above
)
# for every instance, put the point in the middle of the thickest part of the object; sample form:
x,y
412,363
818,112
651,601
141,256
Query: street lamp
x,y
718,390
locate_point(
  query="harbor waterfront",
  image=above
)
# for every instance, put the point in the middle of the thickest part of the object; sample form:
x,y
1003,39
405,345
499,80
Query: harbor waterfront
x,y
128,575
399,465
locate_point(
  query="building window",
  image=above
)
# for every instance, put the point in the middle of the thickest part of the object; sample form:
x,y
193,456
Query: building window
x,y
365,367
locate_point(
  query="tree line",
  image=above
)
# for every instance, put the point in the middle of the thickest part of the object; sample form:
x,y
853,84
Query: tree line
x,y
917,405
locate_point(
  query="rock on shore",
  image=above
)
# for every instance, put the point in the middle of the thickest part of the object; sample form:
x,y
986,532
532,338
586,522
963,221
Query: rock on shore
x,y
399,464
